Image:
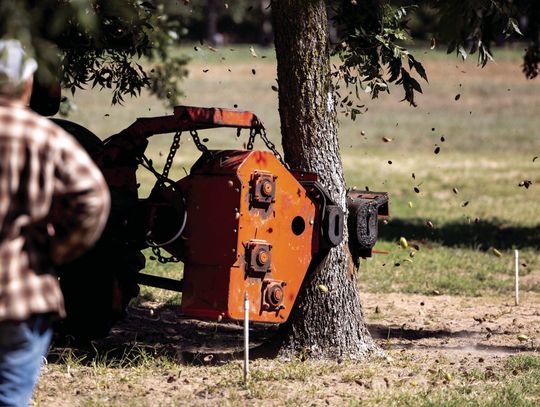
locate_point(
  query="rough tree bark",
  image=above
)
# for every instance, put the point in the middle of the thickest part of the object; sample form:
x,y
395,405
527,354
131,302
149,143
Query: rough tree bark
x,y
323,324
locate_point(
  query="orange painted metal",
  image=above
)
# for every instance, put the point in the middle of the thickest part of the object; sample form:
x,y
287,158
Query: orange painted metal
x,y
193,118
230,226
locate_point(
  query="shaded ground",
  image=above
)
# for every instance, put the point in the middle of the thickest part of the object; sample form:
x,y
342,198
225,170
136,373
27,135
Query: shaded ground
x,y
436,345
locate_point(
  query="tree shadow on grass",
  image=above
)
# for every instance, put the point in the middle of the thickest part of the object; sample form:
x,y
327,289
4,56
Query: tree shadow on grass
x,y
480,235
409,338
165,333
145,336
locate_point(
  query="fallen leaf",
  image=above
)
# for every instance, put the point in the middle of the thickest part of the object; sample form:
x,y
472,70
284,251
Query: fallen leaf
x,y
464,204
323,288
522,338
497,253
387,139
410,204
525,183
455,190
430,224
403,242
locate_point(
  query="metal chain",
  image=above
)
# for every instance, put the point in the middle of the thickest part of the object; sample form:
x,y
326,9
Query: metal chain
x,y
197,141
163,259
172,152
164,176
272,147
252,134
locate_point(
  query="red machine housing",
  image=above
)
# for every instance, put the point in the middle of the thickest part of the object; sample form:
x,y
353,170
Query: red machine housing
x,y
250,228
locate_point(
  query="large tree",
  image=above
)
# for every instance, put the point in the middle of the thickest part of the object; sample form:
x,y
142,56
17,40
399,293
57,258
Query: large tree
x,y
101,40
324,323
330,323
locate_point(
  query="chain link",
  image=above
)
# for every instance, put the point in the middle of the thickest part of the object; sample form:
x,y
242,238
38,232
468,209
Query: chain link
x,y
252,134
197,141
162,259
172,152
272,147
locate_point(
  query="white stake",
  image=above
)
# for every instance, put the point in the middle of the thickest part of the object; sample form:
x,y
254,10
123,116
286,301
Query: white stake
x,y
516,266
246,338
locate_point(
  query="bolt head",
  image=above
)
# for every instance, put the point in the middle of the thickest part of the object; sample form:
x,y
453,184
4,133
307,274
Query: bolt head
x,y
267,188
262,257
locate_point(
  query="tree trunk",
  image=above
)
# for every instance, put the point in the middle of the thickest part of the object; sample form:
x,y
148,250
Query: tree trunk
x,y
212,16
323,324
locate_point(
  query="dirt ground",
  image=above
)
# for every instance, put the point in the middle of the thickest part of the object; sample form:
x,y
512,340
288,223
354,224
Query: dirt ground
x,y
455,325
430,342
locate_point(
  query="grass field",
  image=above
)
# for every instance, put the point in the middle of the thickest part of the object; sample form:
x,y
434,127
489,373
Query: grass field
x,y
469,192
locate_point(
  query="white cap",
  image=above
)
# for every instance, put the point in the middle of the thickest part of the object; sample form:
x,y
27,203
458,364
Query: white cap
x,y
16,67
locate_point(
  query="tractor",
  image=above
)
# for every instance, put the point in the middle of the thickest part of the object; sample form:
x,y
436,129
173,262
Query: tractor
x,y
241,222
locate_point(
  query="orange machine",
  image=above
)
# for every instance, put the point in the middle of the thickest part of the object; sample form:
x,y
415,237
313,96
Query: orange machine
x,y
241,221
250,228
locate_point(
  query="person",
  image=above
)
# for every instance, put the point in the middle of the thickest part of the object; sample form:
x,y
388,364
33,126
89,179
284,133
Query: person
x,y
54,204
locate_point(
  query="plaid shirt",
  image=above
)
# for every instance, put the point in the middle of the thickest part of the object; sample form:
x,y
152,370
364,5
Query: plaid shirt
x,y
54,204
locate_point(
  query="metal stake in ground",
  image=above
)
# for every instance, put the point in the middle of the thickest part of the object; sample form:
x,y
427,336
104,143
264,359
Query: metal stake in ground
x,y
246,338
516,267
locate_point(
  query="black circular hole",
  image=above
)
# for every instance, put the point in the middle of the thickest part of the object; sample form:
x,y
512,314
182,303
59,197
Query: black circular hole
x,y
298,225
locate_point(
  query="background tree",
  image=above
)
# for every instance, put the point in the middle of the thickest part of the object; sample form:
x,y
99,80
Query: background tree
x,y
99,43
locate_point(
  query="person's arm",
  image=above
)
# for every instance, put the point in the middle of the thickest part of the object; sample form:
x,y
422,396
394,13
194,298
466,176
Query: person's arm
x,y
81,202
